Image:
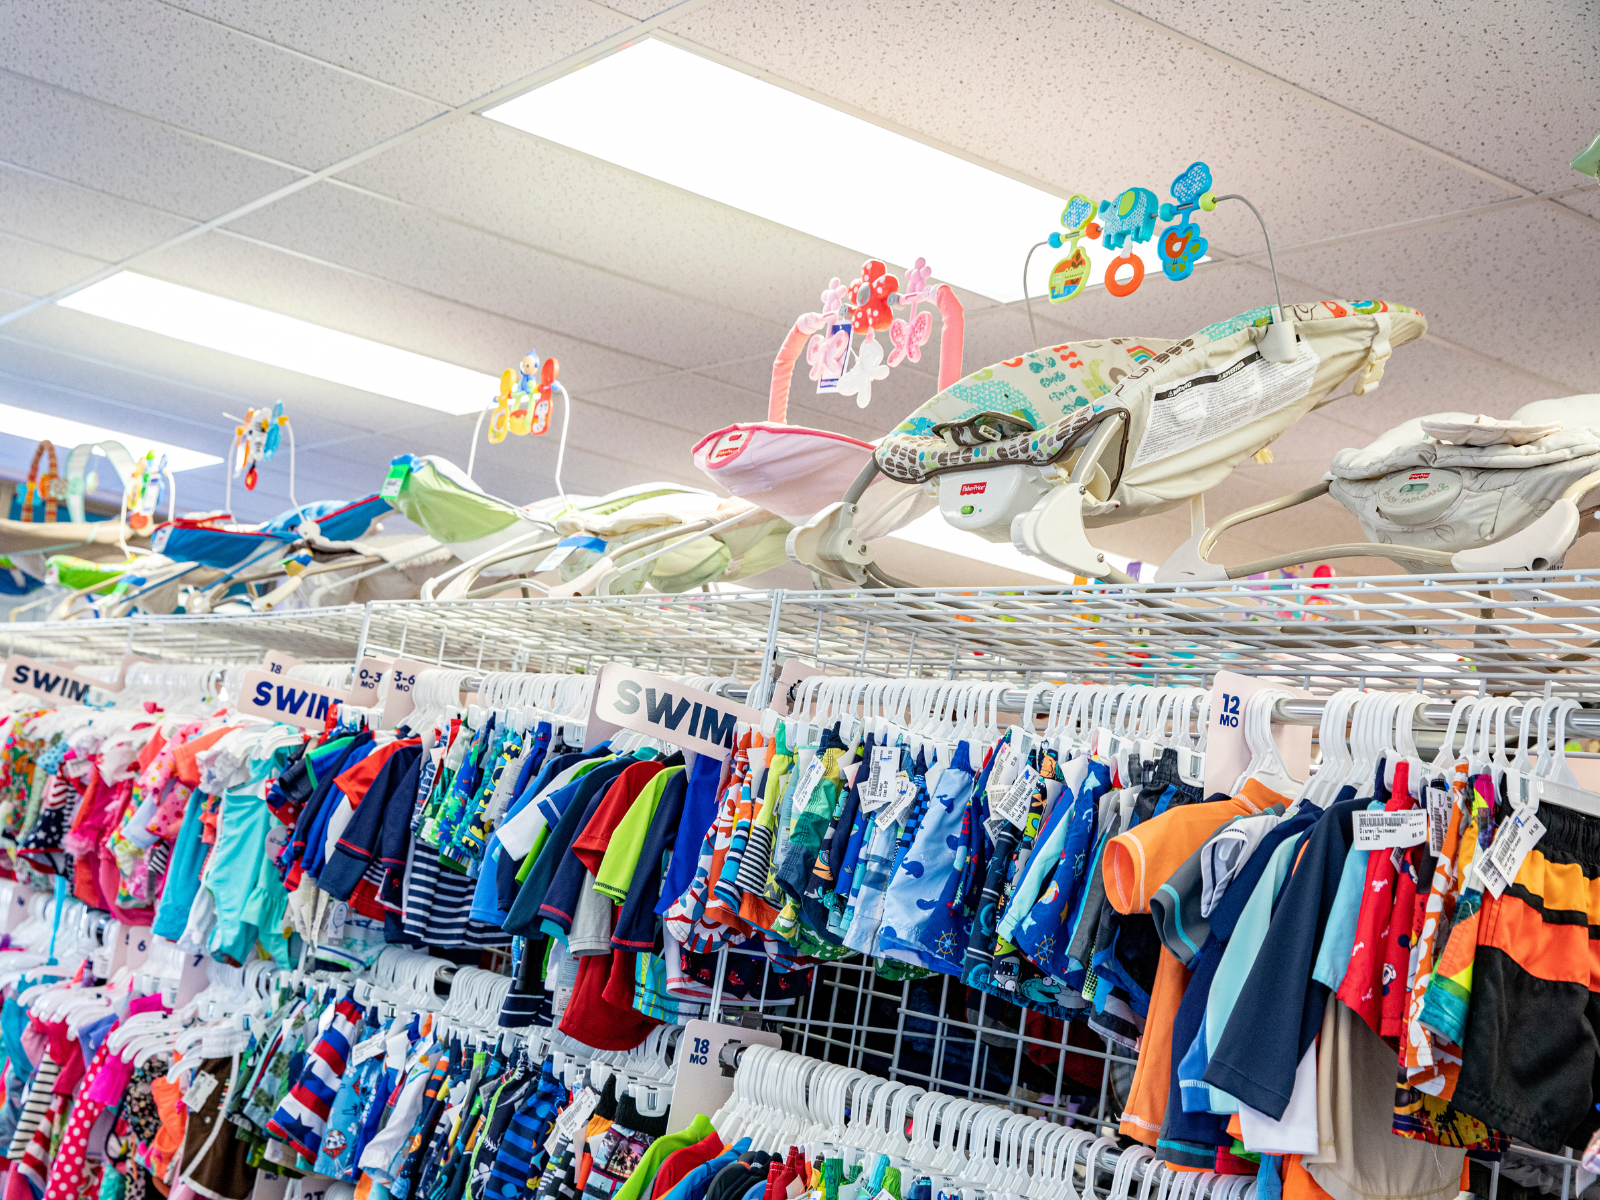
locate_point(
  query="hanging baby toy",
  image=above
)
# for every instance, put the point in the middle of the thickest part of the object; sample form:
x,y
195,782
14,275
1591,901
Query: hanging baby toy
x,y
255,439
143,493
527,398
1131,218
865,306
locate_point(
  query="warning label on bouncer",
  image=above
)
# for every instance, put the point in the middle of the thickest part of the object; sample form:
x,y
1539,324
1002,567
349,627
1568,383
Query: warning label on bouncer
x,y
1190,412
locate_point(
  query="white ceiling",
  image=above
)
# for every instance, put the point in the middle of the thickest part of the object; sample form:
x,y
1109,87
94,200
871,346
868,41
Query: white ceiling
x,y
327,161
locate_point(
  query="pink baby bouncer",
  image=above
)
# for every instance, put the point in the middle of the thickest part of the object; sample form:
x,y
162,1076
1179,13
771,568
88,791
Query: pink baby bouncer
x,y
801,473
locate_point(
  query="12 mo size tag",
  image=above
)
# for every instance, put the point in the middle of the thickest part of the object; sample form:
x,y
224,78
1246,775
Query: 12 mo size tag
x,y
1379,830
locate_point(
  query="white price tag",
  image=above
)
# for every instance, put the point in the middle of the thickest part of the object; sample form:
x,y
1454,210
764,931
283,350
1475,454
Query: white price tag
x,y
371,1048
199,1088
1017,799
1511,845
879,789
1439,808
573,1118
564,549
809,778
1386,830
904,793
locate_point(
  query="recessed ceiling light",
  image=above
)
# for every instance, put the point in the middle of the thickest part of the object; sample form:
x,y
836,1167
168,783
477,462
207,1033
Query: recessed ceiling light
x,y
288,342
720,133
37,426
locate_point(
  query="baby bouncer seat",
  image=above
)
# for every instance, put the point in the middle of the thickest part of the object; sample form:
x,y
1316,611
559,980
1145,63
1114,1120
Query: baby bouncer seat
x,y
1040,448
1470,493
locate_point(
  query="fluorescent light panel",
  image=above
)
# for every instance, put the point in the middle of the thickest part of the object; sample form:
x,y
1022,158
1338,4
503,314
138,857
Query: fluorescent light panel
x,y
720,133
288,342
37,426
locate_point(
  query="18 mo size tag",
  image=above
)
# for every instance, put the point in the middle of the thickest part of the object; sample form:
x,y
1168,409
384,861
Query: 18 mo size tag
x,y
1381,830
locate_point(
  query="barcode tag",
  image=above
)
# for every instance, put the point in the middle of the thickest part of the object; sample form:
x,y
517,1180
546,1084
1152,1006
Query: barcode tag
x,y
879,789
809,778
201,1086
1017,799
1511,845
1384,830
394,479
371,1048
573,1118
1439,808
905,793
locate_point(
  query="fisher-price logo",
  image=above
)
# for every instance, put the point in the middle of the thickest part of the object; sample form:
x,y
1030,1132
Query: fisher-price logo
x,y
973,489
1419,474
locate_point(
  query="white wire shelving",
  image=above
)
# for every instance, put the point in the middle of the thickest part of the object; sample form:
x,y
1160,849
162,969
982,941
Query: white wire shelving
x,y
722,634
323,635
1443,634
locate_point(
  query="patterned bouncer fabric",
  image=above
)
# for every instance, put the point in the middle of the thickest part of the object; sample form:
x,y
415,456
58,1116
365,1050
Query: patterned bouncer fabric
x,y
1197,407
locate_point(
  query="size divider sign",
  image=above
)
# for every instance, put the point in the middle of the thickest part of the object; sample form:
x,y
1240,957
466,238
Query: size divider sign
x,y
701,1085
276,662
49,681
661,707
368,677
397,705
1227,755
292,701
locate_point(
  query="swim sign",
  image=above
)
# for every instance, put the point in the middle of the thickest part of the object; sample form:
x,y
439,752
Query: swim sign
x,y
50,680
292,701
661,707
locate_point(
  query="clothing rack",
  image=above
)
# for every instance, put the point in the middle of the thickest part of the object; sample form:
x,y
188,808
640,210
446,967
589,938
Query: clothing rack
x,y
1446,636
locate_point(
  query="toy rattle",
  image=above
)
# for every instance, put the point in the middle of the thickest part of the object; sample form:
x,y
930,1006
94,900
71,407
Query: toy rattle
x,y
865,306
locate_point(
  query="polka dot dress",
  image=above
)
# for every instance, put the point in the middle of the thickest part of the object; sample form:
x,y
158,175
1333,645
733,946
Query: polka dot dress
x,y
67,1168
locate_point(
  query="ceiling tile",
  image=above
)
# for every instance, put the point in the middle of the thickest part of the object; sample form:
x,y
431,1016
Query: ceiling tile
x,y
489,175
127,155
385,312
1006,57
38,270
419,250
452,52
1530,301
1518,97
77,219
154,59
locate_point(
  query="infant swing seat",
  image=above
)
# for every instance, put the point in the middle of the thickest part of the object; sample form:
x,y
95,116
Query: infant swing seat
x,y
1473,493
693,536
1039,448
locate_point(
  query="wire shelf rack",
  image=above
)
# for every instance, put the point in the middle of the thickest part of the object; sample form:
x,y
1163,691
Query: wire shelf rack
x,y
723,634
1442,634
322,635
